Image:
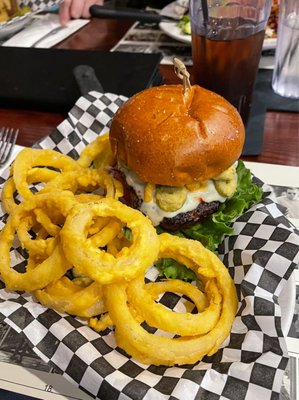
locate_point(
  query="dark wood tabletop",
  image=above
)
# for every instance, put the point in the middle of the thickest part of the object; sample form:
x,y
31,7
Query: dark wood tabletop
x,y
281,132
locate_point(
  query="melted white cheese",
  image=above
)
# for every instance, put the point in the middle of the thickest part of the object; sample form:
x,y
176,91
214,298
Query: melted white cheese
x,y
154,212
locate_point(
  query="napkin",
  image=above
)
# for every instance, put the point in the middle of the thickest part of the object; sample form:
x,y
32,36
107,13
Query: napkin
x,y
40,27
13,155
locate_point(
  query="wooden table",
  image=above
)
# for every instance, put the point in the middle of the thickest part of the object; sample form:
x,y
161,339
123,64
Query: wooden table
x,y
281,134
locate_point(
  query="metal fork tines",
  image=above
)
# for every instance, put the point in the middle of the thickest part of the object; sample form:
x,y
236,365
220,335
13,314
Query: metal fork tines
x,y
8,137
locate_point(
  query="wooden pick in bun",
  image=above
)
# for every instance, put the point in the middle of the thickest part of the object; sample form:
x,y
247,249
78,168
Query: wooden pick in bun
x,y
176,147
170,137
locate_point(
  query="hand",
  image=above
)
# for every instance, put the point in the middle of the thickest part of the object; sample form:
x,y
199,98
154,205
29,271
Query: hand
x,y
75,9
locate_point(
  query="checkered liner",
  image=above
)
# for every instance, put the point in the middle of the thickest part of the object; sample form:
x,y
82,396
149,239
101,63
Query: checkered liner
x,y
36,6
260,256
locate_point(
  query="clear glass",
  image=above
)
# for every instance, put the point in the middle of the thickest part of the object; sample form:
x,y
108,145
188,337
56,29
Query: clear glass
x,y
227,41
285,81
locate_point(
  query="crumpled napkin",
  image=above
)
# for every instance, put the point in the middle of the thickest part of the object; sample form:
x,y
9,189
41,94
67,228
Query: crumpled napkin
x,y
13,155
41,26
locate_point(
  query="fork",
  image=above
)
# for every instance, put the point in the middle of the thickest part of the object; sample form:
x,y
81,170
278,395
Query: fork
x,y
8,137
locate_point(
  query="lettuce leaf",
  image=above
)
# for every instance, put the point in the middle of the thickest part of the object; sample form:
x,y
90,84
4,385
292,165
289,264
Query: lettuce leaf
x,y
171,269
213,229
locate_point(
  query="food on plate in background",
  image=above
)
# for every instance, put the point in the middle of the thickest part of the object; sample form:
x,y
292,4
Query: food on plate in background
x,y
185,25
271,30
7,9
178,161
86,253
10,9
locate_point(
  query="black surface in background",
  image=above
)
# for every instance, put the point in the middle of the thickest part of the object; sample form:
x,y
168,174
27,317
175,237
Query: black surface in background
x,y
42,79
6,395
264,99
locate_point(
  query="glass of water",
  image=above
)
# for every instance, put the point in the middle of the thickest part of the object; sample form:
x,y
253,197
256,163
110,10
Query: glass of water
x,y
285,81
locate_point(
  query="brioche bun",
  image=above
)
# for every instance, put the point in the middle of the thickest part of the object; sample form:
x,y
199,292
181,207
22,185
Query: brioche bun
x,y
169,139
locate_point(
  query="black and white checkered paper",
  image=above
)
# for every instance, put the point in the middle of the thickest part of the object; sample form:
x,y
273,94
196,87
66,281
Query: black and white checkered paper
x,y
36,6
260,256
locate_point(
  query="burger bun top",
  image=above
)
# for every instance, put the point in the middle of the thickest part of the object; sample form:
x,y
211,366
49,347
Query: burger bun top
x,y
170,138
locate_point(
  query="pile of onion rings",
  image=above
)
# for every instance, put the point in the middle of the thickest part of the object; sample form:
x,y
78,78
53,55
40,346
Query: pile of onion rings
x,y
72,231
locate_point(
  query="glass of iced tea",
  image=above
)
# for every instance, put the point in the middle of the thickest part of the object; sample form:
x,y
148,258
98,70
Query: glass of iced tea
x,y
227,41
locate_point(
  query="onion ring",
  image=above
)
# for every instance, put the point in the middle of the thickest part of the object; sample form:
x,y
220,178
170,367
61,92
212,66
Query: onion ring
x,y
149,348
51,268
100,324
183,324
106,234
42,245
115,245
34,175
29,158
66,296
86,180
97,152
99,265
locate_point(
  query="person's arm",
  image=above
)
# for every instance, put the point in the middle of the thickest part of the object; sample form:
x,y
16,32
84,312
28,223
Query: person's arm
x,y
75,9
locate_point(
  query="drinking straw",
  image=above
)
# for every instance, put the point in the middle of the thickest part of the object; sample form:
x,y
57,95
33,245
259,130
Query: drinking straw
x,y
205,13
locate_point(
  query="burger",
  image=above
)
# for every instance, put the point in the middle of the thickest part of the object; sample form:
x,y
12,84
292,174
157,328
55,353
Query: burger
x,y
177,156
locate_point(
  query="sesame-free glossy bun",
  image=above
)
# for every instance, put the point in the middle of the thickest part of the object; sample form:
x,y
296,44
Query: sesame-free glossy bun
x,y
169,139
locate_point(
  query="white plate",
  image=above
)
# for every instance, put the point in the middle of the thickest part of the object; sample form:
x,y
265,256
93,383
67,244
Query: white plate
x,y
172,30
174,10
269,44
